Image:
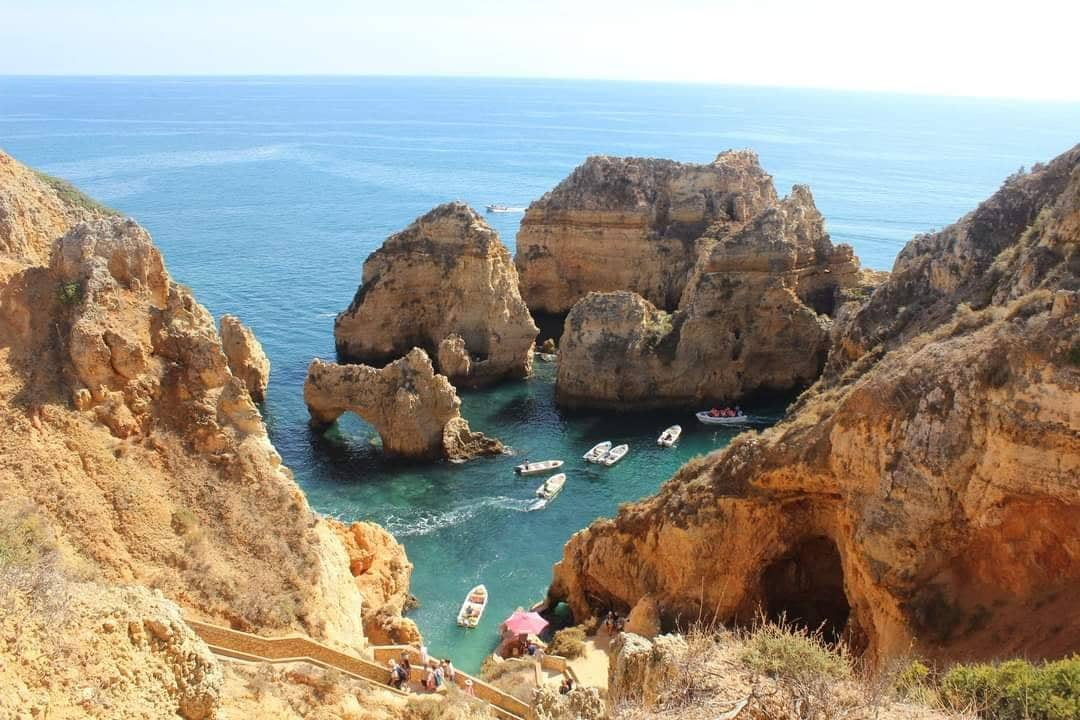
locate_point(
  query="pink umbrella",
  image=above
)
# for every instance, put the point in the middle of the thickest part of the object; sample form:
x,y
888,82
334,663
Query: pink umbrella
x,y
525,623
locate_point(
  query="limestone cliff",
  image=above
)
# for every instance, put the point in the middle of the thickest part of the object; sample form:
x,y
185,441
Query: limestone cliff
x,y
382,573
755,317
926,491
416,412
127,434
246,358
447,275
632,224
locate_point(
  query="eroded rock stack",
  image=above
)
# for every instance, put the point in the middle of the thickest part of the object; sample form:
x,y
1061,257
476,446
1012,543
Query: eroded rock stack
x,y
415,411
445,284
631,224
754,316
925,492
246,358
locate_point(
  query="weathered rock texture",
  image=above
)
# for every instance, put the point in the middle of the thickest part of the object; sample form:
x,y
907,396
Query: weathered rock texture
x,y
446,276
382,573
926,491
246,358
416,412
127,434
85,650
632,224
755,317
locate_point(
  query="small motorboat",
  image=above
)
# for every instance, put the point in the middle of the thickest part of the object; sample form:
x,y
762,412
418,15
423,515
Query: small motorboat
x,y
614,455
708,418
538,467
669,437
503,209
598,451
548,490
473,607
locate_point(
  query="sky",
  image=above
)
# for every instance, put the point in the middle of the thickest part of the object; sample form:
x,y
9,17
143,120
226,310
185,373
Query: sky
x,y
950,47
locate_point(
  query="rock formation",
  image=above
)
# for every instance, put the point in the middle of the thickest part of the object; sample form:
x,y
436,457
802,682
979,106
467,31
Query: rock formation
x,y
755,317
415,411
446,277
632,224
81,649
382,573
926,491
247,361
127,435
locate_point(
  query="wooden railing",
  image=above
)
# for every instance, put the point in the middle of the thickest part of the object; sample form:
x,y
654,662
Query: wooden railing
x,y
295,648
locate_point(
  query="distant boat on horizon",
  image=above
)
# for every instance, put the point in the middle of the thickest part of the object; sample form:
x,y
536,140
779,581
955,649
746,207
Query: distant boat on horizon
x,y
503,209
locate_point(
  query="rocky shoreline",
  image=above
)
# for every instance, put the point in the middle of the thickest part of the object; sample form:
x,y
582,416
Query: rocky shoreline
x,y
922,494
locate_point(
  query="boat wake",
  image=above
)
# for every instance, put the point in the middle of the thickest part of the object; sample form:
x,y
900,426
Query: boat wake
x,y
428,522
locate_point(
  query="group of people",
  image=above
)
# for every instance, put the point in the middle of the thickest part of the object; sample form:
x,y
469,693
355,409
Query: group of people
x,y
614,623
438,674
726,412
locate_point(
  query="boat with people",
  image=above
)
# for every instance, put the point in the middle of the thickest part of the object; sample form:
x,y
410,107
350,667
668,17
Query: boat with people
x,y
614,455
503,209
548,490
473,607
598,451
723,416
669,437
535,468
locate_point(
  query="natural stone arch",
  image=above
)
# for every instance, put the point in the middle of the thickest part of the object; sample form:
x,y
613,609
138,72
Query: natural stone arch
x,y
415,411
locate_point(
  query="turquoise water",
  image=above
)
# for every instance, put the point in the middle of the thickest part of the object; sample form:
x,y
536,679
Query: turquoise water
x,y
266,195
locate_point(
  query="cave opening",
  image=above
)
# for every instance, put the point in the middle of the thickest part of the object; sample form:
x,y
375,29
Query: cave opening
x,y
806,587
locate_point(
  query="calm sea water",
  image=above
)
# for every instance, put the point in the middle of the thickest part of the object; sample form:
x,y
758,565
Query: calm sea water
x,y
267,194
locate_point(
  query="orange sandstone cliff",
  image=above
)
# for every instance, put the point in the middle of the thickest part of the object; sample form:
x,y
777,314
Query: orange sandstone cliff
x,y
925,492
126,434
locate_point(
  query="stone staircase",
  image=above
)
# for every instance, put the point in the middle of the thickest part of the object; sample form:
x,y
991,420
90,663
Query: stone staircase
x,y
295,648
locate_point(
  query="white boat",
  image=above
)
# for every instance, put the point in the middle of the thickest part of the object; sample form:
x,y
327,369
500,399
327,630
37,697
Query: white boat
x,y
669,437
708,419
503,209
538,467
548,490
473,607
614,455
598,451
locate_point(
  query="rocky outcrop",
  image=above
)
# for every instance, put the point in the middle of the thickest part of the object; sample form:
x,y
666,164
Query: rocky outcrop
x,y
925,492
754,318
446,276
127,433
415,411
32,213
81,649
382,573
247,361
632,224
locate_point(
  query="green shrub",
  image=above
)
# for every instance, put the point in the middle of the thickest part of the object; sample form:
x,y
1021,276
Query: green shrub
x,y
69,293
784,650
1074,354
73,196
912,682
24,536
1016,689
568,642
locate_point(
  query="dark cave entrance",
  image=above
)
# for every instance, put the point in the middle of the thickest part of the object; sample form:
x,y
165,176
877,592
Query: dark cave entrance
x,y
806,586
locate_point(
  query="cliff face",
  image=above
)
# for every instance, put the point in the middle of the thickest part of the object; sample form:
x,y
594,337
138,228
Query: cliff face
x,y
925,491
447,275
416,412
246,358
130,437
632,224
755,316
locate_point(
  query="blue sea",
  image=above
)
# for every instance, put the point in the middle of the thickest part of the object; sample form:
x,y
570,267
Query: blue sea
x,y
266,195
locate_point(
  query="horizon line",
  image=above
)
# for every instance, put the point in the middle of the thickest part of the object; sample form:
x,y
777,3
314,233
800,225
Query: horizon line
x,y
545,78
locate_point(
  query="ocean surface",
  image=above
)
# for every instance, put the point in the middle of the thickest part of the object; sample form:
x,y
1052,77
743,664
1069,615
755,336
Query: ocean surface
x,y
266,195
